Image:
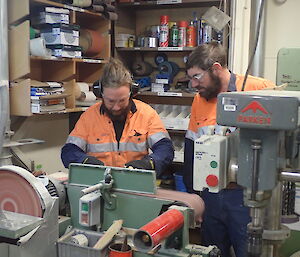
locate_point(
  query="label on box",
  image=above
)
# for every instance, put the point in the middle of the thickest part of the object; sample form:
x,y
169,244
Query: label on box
x,y
162,81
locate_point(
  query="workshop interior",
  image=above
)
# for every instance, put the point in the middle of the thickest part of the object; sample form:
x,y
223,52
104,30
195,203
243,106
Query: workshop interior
x,y
51,55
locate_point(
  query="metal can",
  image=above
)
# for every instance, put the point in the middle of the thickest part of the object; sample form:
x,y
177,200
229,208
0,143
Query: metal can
x,y
152,41
164,31
174,35
182,33
191,36
131,42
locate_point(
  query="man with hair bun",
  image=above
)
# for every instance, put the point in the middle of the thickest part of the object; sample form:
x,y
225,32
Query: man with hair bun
x,y
120,130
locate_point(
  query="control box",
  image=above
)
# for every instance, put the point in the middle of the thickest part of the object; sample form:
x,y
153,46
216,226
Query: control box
x,y
210,162
89,209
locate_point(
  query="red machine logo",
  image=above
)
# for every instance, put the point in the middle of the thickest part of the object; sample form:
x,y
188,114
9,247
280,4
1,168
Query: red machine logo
x,y
254,113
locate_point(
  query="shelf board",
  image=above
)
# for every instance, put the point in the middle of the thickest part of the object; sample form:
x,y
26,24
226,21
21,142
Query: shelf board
x,y
155,98
183,94
70,7
88,60
76,109
155,49
83,60
167,3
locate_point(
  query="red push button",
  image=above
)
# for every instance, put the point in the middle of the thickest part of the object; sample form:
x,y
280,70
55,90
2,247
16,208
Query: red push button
x,y
212,180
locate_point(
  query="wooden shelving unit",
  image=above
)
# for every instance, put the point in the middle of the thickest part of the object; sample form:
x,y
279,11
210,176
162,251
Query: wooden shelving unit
x,y
67,70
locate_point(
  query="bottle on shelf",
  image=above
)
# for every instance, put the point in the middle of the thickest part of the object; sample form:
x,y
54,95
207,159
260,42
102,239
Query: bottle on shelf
x,y
174,35
182,33
191,35
164,31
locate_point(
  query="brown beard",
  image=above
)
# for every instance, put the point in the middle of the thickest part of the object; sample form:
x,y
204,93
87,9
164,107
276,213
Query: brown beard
x,y
120,117
214,89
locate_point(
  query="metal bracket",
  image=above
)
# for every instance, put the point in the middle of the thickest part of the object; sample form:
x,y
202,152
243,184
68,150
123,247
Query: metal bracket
x,y
108,197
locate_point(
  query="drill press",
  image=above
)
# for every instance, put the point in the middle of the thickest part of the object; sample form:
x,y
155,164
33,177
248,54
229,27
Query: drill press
x,y
266,120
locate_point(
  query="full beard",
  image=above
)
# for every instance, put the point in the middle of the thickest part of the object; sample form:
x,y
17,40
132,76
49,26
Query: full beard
x,y
119,117
213,90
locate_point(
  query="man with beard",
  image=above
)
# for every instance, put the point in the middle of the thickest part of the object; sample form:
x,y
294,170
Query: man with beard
x,y
119,131
225,218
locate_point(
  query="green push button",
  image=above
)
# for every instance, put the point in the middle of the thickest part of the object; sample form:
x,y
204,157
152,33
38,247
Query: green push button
x,y
213,164
84,207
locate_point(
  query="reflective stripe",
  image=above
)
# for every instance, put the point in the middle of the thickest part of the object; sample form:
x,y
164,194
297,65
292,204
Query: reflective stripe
x,y
156,137
81,143
113,147
191,135
102,148
132,147
208,130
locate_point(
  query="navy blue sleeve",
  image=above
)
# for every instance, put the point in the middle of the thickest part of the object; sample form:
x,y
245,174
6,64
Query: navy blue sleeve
x,y
71,153
188,164
163,154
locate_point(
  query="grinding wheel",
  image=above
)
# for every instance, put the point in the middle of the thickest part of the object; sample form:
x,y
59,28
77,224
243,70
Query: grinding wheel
x,y
21,192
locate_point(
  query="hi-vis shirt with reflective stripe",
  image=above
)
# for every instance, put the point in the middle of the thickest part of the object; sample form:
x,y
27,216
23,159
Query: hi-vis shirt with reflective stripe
x,y
94,133
204,113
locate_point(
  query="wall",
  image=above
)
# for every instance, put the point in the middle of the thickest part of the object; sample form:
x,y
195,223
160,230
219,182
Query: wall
x,y
239,38
282,30
53,129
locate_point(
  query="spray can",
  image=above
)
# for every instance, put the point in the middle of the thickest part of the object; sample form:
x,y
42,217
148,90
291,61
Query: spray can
x,y
219,36
182,33
191,35
164,31
199,32
207,32
174,35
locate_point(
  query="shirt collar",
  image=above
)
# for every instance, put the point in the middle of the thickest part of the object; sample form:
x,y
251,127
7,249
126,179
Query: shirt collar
x,y
232,85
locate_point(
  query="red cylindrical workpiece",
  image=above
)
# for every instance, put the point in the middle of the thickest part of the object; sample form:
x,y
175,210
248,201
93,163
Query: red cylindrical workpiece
x,y
150,235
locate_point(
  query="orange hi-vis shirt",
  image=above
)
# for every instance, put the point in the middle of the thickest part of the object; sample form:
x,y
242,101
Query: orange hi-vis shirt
x,y
204,113
94,133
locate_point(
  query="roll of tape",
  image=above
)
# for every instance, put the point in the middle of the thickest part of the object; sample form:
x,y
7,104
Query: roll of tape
x,y
80,239
98,8
101,1
38,47
87,97
175,68
111,16
91,41
160,58
109,7
141,68
165,68
82,3
84,87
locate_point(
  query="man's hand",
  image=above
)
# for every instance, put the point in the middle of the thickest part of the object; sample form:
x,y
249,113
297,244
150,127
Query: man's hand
x,y
92,160
145,164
